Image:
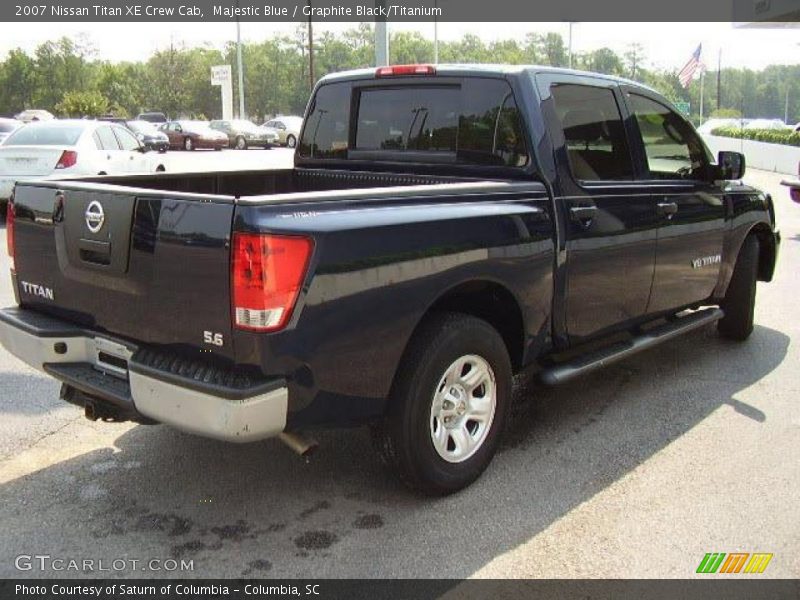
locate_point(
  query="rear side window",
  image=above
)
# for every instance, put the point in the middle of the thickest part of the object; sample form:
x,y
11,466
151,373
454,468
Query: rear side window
x,y
595,137
44,135
475,121
6,127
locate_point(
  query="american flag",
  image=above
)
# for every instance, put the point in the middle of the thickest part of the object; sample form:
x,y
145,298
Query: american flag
x,y
688,71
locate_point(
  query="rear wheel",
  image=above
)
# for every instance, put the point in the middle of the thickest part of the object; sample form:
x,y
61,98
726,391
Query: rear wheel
x,y
160,169
740,299
188,144
241,143
448,405
291,141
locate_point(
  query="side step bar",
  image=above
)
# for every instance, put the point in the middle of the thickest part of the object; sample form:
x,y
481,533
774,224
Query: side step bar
x,y
605,356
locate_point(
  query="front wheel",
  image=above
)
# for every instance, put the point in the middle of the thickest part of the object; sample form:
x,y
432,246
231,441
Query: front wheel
x,y
291,141
740,299
448,404
241,143
188,144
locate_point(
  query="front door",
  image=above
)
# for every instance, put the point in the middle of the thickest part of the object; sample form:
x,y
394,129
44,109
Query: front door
x,y
690,206
611,221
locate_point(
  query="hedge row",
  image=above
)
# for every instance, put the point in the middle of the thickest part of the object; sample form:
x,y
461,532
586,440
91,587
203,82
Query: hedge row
x,y
787,137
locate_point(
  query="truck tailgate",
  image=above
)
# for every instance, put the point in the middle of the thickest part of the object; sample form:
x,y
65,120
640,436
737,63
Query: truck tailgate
x,y
141,266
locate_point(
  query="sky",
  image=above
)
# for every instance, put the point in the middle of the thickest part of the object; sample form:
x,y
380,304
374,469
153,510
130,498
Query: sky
x,y
666,45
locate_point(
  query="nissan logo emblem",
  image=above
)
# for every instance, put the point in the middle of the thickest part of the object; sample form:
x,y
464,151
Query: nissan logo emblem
x,y
95,216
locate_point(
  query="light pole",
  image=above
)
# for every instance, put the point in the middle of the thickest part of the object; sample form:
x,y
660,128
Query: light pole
x,y
239,63
435,34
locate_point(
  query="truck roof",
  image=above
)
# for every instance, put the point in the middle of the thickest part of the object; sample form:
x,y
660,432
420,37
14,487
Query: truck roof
x,y
501,70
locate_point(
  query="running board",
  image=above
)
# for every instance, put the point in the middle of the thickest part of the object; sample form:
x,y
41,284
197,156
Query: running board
x,y
611,354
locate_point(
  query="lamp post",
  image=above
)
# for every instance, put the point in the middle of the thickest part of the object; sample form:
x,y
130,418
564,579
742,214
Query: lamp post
x,y
239,63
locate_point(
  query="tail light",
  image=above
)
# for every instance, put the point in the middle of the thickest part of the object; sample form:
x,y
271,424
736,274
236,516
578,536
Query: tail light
x,y
68,159
10,230
267,272
400,70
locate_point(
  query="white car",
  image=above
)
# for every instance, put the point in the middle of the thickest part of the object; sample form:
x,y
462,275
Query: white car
x,y
287,128
712,124
50,149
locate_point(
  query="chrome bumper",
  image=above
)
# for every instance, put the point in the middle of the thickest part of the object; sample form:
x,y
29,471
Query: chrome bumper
x,y
86,361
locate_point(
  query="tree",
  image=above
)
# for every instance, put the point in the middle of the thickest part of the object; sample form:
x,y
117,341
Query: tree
x,y
82,104
634,58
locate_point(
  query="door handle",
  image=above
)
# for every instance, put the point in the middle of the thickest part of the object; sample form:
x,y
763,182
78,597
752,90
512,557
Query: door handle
x,y
582,215
667,209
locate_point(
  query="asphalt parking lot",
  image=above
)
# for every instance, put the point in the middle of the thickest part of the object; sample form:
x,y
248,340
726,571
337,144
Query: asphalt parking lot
x,y
635,471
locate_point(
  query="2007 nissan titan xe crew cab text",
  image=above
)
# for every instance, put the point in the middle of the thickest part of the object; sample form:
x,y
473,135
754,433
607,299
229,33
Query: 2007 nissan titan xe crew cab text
x,y
442,228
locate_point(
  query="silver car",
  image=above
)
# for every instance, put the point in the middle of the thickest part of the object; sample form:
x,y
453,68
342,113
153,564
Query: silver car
x,y
287,128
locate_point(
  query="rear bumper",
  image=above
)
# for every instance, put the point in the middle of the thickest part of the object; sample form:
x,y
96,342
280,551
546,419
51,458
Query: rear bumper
x,y
198,399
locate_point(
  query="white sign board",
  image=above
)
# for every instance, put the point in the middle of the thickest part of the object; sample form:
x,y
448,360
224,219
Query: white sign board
x,y
220,74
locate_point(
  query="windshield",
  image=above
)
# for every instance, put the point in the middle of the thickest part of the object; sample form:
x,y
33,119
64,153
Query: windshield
x,y
45,135
142,127
195,125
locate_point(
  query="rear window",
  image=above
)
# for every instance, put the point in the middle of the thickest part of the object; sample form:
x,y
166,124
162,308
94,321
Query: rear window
x,y
6,127
45,136
475,121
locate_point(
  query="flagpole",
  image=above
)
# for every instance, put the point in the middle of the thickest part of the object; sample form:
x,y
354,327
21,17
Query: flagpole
x,y
702,78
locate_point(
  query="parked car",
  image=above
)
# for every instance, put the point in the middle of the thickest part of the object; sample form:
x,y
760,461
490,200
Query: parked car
x,y
766,124
430,241
287,128
7,127
152,117
242,133
33,114
190,135
46,149
149,135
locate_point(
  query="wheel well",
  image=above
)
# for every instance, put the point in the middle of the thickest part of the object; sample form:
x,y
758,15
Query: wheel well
x,y
766,251
494,304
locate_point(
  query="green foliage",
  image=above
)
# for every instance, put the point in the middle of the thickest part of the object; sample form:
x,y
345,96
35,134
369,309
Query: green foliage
x,y
176,80
82,104
785,137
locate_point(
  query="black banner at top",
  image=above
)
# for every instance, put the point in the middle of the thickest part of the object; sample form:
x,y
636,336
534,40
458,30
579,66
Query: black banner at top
x,y
747,11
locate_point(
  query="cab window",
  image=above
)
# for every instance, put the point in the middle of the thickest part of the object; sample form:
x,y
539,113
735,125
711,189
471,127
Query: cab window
x,y
597,148
672,148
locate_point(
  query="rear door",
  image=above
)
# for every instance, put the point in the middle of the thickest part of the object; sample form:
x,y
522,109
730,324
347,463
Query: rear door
x,y
610,219
143,266
690,206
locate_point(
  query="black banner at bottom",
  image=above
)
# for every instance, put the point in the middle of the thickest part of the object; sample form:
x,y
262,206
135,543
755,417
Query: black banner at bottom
x,y
400,589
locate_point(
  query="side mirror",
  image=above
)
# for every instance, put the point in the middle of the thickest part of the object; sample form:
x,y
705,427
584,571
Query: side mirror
x,y
731,165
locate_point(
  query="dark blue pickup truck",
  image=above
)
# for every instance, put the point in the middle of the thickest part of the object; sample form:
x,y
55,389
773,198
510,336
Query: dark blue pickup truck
x,y
442,228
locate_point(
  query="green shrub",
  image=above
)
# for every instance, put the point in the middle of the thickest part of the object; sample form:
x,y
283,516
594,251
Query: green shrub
x,y
786,137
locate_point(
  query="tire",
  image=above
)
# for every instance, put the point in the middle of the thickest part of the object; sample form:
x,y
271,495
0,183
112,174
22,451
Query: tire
x,y
241,143
446,344
188,145
291,141
740,299
160,169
